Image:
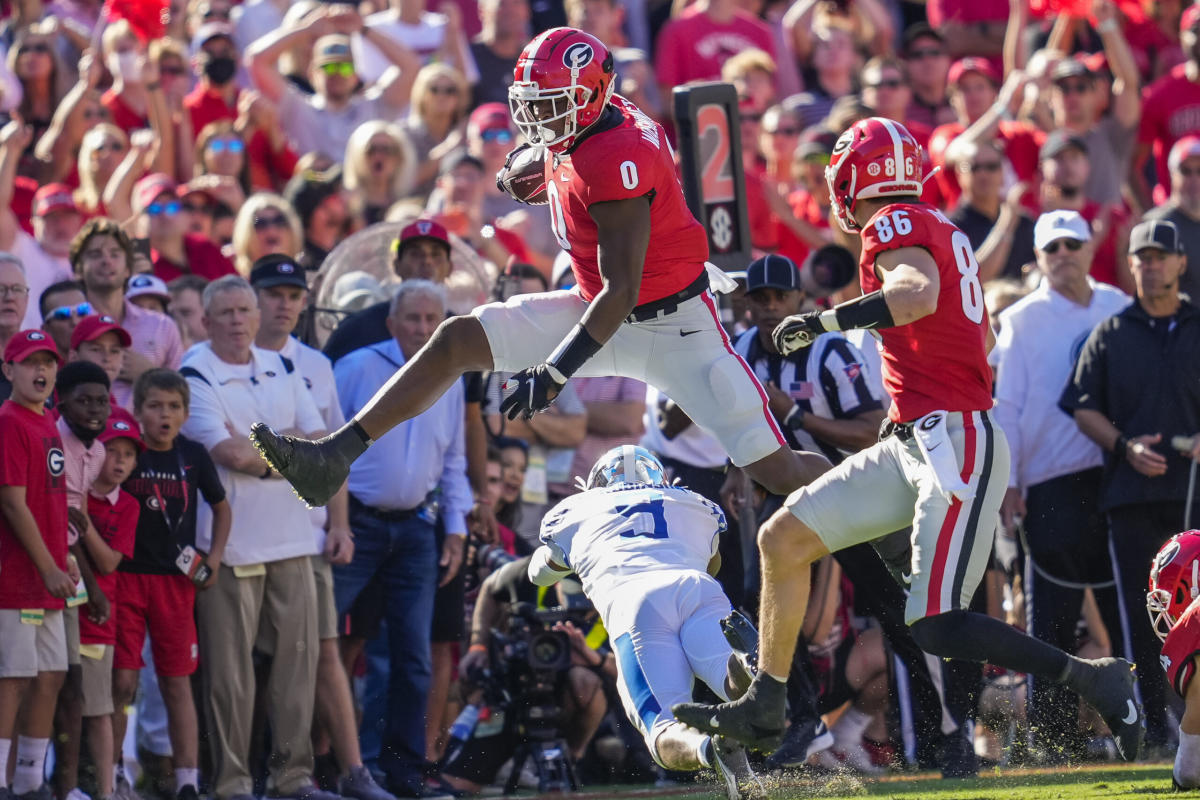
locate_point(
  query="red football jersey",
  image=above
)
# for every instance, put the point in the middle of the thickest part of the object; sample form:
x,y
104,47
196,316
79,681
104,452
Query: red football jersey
x,y
33,458
1180,649
632,159
1170,111
938,362
117,525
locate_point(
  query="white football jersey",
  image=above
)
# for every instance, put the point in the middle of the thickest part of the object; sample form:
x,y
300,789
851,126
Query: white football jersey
x,y
607,536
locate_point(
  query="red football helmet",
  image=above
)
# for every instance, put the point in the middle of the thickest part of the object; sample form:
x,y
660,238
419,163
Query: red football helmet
x,y
1174,581
875,157
563,75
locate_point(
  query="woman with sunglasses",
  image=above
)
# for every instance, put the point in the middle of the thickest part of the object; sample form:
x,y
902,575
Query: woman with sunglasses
x,y
440,101
380,168
44,83
173,250
100,153
221,150
266,225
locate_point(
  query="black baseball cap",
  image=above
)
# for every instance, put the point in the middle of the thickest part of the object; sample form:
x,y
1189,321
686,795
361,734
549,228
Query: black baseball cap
x,y
1058,141
772,272
277,270
1157,234
306,191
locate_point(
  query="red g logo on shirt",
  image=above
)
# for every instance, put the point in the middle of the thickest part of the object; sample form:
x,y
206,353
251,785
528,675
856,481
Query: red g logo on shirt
x,y
55,462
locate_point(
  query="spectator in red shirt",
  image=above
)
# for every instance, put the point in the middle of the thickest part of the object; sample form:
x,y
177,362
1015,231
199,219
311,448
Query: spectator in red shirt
x,y
1065,165
221,151
129,98
752,73
173,251
779,134
982,106
112,514
928,63
970,27
694,45
1170,111
806,227
265,225
214,59
202,197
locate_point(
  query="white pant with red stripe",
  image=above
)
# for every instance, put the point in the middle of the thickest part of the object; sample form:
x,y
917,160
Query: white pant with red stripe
x,y
686,355
889,486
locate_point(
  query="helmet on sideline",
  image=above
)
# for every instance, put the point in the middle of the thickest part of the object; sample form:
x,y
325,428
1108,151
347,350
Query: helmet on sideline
x,y
1174,581
627,464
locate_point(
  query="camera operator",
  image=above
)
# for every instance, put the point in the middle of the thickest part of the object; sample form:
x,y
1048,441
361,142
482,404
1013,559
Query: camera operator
x,y
578,690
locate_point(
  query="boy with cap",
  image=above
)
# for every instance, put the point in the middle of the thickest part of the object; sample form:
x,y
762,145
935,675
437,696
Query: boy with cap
x,y
149,292
112,516
83,406
33,551
98,339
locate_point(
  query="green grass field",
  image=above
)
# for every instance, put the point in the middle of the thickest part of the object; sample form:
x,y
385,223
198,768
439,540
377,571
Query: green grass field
x,y
1137,781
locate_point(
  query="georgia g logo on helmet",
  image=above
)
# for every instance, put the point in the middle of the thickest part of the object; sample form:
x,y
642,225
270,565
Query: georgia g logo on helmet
x,y
578,55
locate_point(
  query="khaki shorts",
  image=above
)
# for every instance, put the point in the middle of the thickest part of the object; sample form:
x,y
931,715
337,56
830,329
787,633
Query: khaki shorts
x,y
327,618
685,354
889,486
71,626
97,682
28,648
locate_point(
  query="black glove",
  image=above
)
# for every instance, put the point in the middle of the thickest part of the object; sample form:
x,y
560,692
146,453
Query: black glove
x,y
797,331
534,389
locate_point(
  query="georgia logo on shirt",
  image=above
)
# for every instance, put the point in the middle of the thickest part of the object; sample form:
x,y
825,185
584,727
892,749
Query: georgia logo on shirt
x,y
56,462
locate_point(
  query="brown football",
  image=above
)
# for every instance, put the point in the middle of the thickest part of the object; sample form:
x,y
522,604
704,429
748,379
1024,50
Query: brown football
x,y
523,176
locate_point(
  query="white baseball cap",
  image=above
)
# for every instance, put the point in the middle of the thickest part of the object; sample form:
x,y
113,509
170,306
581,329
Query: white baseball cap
x,y
1060,224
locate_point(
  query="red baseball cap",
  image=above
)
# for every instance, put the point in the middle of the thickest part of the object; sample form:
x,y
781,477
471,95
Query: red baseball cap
x,y
973,64
93,326
54,197
423,229
26,343
150,187
120,426
1191,16
490,115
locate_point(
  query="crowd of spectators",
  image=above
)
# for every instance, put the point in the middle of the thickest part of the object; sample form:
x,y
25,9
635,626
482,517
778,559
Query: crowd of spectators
x,y
172,187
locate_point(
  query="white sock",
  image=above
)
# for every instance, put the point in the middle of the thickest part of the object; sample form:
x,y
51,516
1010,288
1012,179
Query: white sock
x,y
1187,760
851,726
31,764
187,776
5,749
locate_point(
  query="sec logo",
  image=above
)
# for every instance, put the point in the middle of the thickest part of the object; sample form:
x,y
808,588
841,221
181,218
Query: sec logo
x,y
56,462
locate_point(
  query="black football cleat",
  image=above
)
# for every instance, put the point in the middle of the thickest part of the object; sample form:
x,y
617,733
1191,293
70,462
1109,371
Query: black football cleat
x,y
804,739
316,470
756,719
1110,691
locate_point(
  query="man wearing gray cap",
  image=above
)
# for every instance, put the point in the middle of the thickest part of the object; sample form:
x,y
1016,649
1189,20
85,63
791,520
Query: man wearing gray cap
x,y
1054,477
1133,390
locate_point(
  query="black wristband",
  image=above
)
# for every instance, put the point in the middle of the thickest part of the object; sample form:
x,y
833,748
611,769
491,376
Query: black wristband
x,y
574,351
1121,447
869,311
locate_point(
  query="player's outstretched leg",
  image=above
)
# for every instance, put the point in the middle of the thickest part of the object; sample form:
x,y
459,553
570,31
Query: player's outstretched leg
x,y
1106,683
318,469
683,748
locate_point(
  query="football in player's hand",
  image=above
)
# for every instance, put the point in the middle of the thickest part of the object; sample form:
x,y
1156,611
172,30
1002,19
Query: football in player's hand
x,y
523,176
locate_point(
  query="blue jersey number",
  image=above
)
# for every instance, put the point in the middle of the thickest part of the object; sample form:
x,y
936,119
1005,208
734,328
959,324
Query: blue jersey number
x,y
648,519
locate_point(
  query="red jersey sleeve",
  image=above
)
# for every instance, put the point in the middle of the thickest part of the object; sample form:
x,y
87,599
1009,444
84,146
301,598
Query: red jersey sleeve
x,y
1180,649
621,173
1150,127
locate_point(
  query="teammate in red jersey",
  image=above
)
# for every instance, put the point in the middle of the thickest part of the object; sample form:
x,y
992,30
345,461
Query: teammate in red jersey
x,y
940,466
642,307
1175,617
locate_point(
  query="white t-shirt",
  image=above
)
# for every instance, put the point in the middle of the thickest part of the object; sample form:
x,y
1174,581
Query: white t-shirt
x,y
424,38
311,127
41,270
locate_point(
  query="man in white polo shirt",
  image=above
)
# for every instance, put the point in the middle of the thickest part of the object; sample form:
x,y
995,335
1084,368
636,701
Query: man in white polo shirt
x,y
265,593
1054,480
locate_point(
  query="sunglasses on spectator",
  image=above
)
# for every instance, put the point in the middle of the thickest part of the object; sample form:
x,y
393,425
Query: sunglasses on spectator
x,y
381,150
501,135
198,208
343,68
169,208
785,132
1071,244
221,145
1075,87
262,223
213,13
172,69
64,313
925,52
819,158
34,47
443,89
890,83
975,169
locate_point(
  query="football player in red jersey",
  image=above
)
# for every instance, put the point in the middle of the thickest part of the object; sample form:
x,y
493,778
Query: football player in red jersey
x,y
1175,617
941,465
642,307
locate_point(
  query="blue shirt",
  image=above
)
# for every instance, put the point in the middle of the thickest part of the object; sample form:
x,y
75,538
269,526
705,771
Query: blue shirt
x,y
415,457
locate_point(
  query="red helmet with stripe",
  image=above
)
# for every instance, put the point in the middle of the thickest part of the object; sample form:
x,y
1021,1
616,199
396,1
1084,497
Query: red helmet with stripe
x,y
1174,581
561,84
875,157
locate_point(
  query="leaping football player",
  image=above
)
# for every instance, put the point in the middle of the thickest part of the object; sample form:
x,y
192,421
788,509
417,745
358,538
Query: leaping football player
x,y
941,465
642,307
646,553
1175,616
